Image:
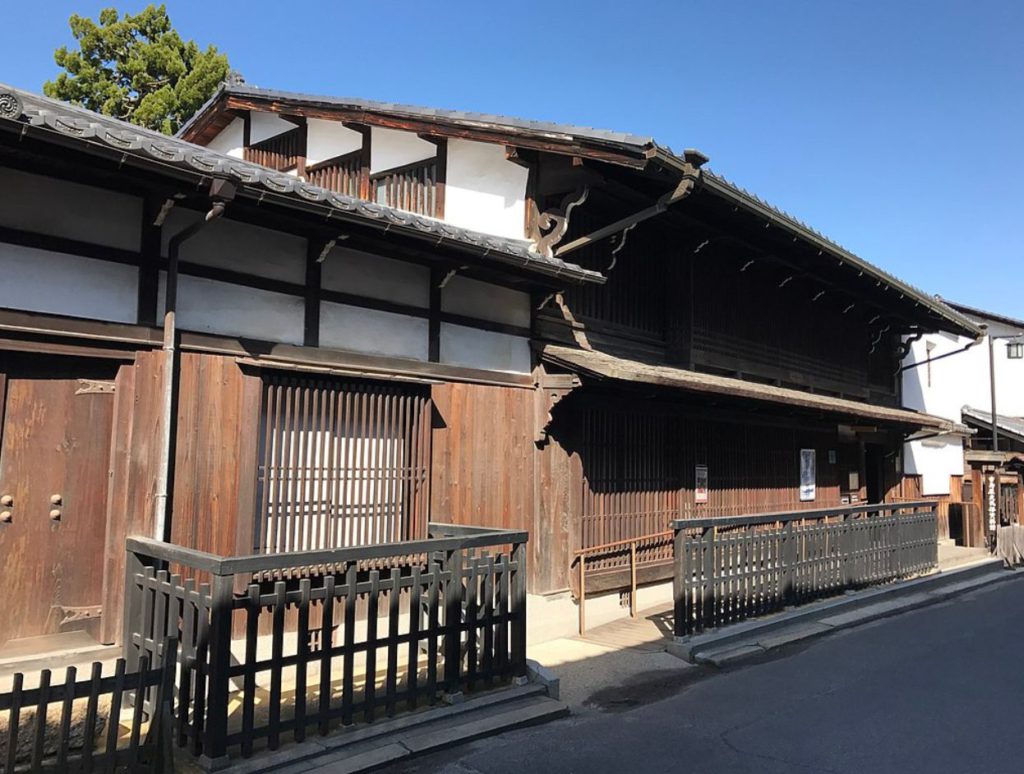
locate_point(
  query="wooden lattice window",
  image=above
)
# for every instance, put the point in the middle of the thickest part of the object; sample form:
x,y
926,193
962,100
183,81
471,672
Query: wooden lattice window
x,y
413,187
281,152
341,174
342,463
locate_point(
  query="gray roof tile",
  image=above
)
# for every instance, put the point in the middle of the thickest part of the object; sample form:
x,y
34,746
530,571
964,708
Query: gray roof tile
x,y
89,127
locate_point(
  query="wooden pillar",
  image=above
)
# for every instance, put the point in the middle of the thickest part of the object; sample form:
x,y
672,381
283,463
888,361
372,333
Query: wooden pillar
x,y
314,274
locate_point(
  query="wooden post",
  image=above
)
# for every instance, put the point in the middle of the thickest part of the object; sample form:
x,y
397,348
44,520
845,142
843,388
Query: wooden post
x,y
452,622
632,579
519,605
133,566
708,601
583,594
680,583
215,743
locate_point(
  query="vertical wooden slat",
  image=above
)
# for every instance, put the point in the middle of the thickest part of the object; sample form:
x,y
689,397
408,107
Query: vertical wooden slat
x,y
415,613
348,655
370,685
391,679
276,655
113,724
42,706
326,644
252,625
13,722
302,665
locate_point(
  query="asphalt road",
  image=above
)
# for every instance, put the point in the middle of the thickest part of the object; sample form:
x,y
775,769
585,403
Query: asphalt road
x,y
935,690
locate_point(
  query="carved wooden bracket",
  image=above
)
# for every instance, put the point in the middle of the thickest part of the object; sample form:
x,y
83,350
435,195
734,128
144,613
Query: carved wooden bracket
x,y
551,389
547,228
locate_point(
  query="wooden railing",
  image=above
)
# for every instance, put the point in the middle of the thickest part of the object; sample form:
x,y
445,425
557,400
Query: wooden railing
x,y
281,152
413,187
342,174
282,643
76,725
731,568
629,548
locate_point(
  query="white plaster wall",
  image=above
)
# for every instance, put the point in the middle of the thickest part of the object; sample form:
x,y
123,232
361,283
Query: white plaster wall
x,y
372,331
935,460
230,244
959,380
263,126
54,283
486,301
231,140
391,148
484,191
484,349
353,271
962,379
46,205
327,139
208,306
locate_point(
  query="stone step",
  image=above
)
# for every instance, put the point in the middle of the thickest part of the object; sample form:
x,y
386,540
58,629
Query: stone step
x,y
388,741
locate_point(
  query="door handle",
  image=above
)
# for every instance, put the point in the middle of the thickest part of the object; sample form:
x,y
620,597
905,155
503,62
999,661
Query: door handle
x,y
57,501
6,502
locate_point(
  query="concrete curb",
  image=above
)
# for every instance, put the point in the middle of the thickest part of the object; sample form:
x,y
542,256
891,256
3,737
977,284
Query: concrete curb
x,y
738,642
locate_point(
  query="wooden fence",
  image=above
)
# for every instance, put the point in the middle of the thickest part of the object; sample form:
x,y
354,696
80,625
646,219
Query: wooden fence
x,y
275,645
76,725
732,568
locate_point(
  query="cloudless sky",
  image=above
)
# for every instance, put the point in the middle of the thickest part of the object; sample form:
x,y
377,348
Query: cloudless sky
x,y
894,127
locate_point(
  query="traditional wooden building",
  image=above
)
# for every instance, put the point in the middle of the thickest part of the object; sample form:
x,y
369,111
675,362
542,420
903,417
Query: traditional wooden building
x,y
341,319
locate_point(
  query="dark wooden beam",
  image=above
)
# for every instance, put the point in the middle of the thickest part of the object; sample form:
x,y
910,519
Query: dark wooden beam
x,y
149,261
437,276
314,275
497,135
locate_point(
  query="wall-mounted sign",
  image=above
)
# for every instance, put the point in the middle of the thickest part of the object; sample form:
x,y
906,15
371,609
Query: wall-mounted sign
x,y
700,486
808,475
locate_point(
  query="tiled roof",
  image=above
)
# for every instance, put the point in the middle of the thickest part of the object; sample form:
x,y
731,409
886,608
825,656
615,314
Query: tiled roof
x,y
91,128
1010,425
545,128
633,142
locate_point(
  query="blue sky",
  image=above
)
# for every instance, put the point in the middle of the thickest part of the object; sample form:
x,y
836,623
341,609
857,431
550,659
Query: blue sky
x,y
895,128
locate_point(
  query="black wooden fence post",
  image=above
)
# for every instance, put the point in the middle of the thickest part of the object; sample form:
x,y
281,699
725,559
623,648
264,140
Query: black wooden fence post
x,y
452,622
680,583
133,566
218,684
789,558
519,605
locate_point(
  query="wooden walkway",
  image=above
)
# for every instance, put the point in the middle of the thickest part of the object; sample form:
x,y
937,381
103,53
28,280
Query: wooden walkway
x,y
649,632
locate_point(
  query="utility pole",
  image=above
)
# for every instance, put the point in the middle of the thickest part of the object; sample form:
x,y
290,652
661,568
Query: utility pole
x,y
993,498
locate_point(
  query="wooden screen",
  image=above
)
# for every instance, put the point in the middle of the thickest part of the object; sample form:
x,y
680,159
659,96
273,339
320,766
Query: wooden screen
x,y
341,174
412,188
280,152
342,463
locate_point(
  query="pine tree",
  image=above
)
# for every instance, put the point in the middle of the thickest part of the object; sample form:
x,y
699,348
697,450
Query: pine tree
x,y
136,68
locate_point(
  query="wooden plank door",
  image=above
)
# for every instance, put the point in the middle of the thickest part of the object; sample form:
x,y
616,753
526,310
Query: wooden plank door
x,y
54,459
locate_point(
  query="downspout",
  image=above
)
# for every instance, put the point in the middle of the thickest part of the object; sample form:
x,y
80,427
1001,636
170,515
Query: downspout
x,y
221,192
978,340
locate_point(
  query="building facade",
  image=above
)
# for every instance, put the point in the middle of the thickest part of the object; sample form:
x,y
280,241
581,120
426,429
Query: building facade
x,y
310,323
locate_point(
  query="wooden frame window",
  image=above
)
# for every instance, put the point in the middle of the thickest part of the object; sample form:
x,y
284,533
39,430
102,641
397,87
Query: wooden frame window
x,y
341,463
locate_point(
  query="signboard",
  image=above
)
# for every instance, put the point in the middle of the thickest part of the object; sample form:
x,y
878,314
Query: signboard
x,y
808,475
700,486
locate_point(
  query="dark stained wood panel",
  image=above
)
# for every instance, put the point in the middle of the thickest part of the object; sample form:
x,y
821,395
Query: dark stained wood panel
x,y
483,456
53,466
210,471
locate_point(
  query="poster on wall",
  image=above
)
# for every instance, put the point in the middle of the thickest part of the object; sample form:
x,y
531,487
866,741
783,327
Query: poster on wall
x,y
807,475
700,487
